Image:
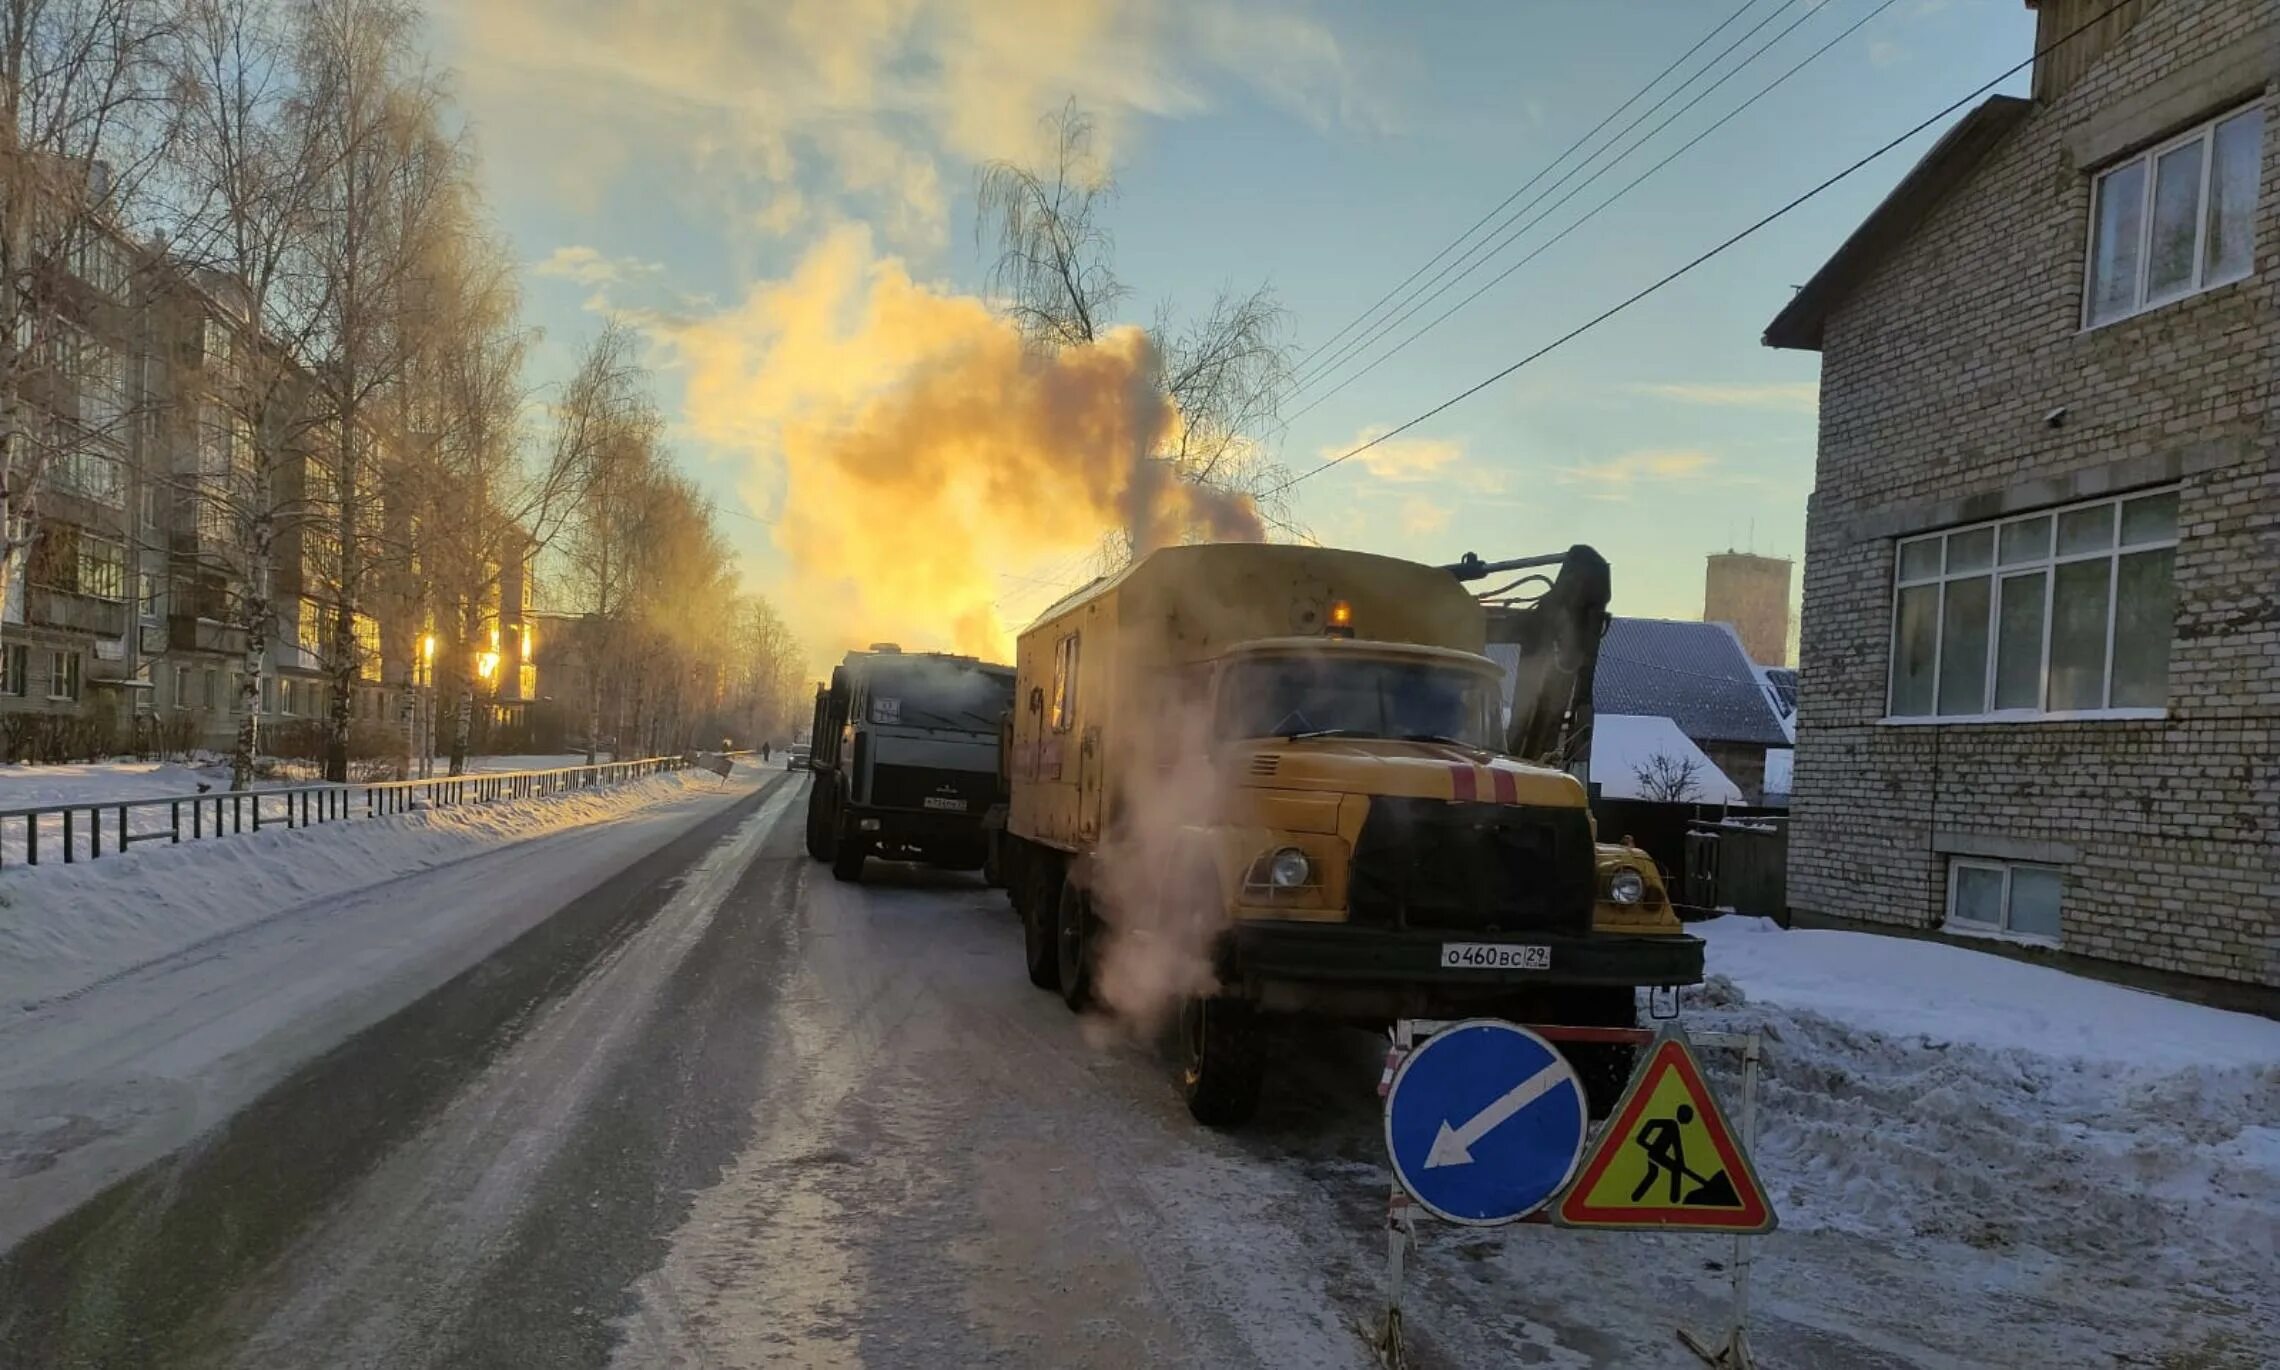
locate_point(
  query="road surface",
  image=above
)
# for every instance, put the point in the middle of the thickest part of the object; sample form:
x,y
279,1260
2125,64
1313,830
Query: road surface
x,y
724,1111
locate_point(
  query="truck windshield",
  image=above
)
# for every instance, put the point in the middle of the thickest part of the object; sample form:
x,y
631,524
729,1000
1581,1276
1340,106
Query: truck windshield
x,y
1291,696
935,694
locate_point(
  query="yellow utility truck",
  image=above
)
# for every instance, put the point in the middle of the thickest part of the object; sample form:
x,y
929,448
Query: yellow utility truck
x,y
1289,766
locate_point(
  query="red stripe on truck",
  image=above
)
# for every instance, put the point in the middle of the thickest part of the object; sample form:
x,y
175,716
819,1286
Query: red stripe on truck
x,y
1464,784
1507,787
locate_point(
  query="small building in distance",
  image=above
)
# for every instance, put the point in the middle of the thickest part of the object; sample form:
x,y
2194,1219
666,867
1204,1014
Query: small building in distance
x,y
1697,676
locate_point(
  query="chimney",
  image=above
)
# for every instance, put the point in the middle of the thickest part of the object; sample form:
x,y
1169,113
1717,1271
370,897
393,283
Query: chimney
x,y
2065,49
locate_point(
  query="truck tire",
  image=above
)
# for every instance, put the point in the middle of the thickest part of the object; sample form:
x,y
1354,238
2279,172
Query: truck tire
x,y
1076,945
848,849
819,822
1223,1061
1040,920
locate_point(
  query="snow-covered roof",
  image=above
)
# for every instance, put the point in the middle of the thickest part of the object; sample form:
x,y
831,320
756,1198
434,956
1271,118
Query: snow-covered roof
x,y
1623,743
1695,674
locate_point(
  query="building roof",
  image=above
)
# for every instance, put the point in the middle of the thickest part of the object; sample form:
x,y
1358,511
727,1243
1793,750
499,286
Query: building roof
x,y
1952,159
1695,674
1624,744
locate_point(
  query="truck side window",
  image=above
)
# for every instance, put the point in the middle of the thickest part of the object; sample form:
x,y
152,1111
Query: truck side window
x,y
1064,683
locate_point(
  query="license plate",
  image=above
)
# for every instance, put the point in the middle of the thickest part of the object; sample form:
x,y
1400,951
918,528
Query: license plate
x,y
935,801
1494,956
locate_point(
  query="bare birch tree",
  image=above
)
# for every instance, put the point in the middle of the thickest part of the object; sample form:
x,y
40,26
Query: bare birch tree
x,y
1226,371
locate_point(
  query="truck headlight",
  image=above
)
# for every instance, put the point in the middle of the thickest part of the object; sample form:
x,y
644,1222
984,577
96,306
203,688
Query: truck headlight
x,y
1288,869
1627,886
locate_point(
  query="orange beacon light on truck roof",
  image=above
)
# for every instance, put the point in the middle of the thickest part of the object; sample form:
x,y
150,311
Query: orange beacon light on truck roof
x,y
1341,619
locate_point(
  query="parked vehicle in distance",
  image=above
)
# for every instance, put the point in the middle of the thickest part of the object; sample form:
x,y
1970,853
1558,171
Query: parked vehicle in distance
x,y
1349,833
906,759
796,757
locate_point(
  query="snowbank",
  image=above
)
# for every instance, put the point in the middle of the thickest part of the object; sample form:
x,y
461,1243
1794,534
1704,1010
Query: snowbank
x,y
1920,1090
63,928
1902,987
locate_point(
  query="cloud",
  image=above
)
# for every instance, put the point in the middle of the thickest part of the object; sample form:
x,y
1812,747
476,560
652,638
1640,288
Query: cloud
x,y
1788,397
588,266
861,100
1421,517
1619,477
1883,52
1401,460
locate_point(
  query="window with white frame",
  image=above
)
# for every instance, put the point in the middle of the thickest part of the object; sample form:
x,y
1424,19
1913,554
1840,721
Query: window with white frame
x,y
182,698
2175,219
2060,613
15,665
63,675
2004,897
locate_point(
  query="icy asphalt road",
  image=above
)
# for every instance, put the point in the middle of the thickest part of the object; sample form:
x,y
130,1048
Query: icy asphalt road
x,y
724,1111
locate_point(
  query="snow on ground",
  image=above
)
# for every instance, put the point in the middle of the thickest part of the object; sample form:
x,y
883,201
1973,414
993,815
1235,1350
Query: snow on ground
x,y
29,786
63,928
1917,1088
281,946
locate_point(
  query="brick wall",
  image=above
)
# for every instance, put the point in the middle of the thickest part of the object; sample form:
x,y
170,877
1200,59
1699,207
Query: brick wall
x,y
1938,372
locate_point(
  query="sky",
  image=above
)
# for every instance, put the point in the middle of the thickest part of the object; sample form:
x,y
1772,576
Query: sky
x,y
780,193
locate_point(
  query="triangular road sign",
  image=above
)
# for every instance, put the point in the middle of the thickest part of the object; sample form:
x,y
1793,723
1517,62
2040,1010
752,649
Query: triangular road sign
x,y
1666,1161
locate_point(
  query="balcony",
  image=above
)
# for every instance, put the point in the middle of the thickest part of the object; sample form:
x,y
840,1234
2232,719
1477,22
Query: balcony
x,y
49,608
187,634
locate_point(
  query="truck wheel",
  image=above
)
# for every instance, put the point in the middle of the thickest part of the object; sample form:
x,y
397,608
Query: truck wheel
x,y
1223,1060
819,823
847,850
1076,944
1040,921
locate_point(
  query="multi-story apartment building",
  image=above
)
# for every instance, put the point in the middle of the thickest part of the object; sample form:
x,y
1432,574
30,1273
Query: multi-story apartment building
x,y
2041,626
128,622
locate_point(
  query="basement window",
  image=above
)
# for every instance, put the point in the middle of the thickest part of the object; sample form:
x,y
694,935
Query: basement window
x,y
2004,899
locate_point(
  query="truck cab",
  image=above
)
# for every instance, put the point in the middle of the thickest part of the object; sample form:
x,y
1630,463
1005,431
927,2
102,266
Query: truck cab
x,y
905,756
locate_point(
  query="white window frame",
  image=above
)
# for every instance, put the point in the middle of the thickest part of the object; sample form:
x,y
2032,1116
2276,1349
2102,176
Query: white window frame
x,y
2149,159
63,674
1998,932
15,665
1996,573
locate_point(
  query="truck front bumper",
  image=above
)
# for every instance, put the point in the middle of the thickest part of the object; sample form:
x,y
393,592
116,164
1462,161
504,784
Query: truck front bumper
x,y
1294,953
915,827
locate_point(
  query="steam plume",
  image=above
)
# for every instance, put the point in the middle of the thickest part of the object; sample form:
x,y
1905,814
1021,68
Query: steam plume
x,y
924,446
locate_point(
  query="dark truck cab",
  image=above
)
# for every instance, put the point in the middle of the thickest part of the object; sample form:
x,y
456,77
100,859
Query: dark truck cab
x,y
905,759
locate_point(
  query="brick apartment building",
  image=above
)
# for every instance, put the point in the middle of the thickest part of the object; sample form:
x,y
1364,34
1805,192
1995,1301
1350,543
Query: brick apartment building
x,y
2041,625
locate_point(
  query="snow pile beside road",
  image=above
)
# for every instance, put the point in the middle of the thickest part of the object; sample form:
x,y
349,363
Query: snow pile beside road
x,y
1916,1089
63,928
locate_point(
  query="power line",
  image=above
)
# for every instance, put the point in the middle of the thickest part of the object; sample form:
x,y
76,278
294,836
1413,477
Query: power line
x,y
1624,304
1383,326
1541,248
1531,181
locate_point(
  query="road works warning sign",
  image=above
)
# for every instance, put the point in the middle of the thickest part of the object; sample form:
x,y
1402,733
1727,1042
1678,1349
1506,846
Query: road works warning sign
x,y
1666,1161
